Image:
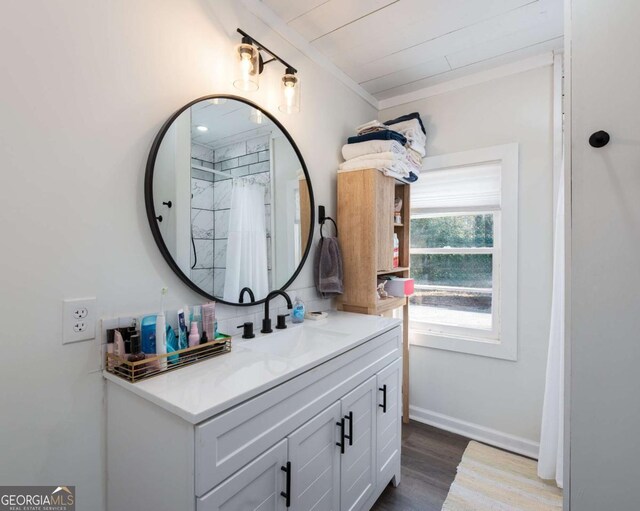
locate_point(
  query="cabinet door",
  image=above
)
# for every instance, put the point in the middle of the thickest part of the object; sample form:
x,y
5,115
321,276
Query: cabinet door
x,y
315,463
256,487
384,208
358,463
388,419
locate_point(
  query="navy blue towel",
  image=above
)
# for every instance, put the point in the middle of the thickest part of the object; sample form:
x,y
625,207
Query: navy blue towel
x,y
407,117
379,135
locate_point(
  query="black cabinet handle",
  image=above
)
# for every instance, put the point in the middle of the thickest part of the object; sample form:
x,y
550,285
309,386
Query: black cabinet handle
x,y
350,435
287,494
341,442
384,398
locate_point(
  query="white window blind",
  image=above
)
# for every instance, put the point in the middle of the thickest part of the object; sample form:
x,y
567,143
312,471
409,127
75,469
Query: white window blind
x,y
473,187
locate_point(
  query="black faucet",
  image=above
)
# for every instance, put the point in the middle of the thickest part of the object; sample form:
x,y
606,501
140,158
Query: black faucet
x,y
246,290
266,322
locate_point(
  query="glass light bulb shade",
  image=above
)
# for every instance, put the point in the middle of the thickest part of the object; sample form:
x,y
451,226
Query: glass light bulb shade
x,y
247,68
290,97
256,116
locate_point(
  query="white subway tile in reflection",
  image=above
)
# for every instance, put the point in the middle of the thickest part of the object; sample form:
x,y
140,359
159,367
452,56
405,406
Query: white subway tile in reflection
x,y
222,195
202,223
202,194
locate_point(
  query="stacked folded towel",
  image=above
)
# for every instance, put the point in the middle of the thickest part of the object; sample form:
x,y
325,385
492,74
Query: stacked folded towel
x,y
395,147
411,127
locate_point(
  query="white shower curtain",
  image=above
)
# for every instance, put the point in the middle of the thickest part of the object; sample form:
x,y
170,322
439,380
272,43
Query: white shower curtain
x,y
550,458
247,242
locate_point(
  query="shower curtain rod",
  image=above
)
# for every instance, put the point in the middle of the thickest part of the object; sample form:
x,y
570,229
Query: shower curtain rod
x,y
224,174
213,171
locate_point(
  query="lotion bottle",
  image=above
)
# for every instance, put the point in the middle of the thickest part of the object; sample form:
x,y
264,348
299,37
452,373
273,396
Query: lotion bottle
x,y
194,335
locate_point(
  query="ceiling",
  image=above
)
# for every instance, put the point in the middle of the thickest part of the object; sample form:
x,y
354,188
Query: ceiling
x,y
393,47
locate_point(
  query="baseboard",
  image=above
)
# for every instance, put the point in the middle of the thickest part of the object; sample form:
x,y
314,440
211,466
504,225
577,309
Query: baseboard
x,y
483,434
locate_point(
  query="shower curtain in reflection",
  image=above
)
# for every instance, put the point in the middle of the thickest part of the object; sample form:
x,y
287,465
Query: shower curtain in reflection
x,y
550,457
247,241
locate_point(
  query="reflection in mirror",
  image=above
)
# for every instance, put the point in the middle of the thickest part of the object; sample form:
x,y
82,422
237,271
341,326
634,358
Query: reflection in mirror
x,y
241,206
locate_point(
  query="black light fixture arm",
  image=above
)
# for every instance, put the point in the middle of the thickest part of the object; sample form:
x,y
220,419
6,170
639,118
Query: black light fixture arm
x,y
262,47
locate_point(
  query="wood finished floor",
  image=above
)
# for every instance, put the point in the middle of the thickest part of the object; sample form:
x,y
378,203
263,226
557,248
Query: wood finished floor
x,y
430,457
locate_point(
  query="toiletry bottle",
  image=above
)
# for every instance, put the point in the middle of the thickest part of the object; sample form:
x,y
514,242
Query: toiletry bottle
x,y
194,335
208,319
148,334
118,344
203,338
197,317
161,340
188,315
396,251
182,331
136,355
110,349
161,333
172,345
297,314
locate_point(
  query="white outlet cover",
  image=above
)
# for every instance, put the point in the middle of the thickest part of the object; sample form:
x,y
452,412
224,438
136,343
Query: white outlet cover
x,y
78,320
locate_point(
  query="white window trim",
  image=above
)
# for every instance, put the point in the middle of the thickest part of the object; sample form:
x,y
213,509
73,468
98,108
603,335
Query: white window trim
x,y
505,266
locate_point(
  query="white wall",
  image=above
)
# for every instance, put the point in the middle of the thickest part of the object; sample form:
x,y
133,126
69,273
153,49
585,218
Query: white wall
x,y
85,88
455,388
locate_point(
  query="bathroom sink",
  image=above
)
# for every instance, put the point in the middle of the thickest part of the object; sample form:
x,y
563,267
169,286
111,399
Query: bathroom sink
x,y
296,341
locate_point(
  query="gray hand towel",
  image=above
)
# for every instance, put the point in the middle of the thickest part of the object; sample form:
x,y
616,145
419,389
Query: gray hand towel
x,y
328,268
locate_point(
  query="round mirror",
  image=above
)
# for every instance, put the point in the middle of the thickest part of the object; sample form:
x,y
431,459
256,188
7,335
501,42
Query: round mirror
x,y
229,200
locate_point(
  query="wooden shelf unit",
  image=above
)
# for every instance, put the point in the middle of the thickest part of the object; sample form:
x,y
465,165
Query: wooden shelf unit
x,y
366,227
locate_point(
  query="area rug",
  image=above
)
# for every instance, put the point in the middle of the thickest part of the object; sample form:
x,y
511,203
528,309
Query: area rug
x,y
489,479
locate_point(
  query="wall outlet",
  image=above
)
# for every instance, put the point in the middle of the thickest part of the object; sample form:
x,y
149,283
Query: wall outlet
x,y
78,320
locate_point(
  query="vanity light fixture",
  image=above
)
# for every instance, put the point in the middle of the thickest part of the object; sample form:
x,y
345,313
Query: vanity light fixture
x,y
202,128
218,101
290,100
256,116
250,64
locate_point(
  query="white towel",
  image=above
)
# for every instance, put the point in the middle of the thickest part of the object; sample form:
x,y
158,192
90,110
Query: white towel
x,y
414,159
391,156
412,130
395,168
350,151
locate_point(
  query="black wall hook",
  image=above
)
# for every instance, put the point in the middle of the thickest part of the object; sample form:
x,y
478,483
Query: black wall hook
x,y
599,139
168,203
322,218
159,218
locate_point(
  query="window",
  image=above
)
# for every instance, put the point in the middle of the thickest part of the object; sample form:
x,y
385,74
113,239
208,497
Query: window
x,y
464,253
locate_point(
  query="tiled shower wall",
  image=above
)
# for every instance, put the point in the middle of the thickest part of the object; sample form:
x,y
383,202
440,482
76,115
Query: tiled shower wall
x,y
202,227
210,204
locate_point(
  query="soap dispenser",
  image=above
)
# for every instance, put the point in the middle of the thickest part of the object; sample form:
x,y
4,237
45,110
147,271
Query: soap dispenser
x,y
297,314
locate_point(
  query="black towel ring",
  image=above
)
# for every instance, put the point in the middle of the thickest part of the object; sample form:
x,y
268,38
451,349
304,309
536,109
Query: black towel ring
x,y
322,218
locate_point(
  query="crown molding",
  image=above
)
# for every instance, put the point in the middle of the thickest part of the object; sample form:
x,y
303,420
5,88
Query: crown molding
x,y
544,59
278,25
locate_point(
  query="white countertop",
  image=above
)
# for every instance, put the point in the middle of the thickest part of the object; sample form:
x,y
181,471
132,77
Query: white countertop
x,y
207,388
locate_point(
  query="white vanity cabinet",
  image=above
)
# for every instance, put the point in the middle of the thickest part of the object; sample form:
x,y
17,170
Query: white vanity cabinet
x,y
320,440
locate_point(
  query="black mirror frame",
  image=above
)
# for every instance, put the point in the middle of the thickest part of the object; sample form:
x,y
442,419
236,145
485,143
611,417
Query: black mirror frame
x,y
151,212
